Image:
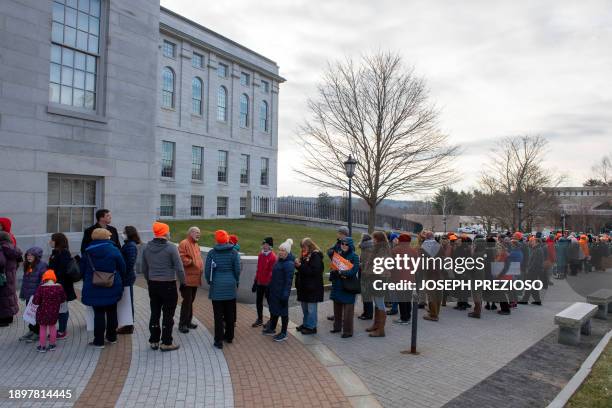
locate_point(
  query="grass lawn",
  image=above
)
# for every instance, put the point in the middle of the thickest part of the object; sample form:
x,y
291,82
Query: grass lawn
x,y
252,232
596,391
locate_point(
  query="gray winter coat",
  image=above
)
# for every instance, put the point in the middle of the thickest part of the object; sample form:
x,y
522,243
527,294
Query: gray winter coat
x,y
161,262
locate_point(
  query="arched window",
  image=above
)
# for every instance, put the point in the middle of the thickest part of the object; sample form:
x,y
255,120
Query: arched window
x,y
263,116
244,110
196,97
222,104
167,88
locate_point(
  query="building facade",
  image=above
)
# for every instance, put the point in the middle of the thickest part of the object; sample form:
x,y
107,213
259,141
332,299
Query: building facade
x,y
586,208
131,107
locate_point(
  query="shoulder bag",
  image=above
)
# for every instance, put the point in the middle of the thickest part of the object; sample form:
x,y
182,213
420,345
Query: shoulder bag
x,y
101,279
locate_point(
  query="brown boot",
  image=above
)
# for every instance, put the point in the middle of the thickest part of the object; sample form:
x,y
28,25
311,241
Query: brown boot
x,y
376,321
434,309
380,330
125,330
477,309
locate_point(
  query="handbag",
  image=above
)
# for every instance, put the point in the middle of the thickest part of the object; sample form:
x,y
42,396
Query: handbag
x,y
73,271
351,285
100,278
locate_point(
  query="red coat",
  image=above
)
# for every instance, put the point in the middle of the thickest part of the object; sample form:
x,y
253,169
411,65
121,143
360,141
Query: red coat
x,y
265,263
48,298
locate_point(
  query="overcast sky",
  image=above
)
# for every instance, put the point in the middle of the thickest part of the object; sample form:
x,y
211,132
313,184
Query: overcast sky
x,y
494,68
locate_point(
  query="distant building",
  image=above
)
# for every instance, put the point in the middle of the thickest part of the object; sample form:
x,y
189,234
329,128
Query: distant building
x,y
131,107
585,208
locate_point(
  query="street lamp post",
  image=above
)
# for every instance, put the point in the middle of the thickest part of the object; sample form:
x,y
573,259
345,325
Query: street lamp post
x,y
444,219
349,166
520,204
563,224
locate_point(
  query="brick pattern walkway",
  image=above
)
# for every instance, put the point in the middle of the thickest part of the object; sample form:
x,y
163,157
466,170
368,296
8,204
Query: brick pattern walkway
x,y
270,374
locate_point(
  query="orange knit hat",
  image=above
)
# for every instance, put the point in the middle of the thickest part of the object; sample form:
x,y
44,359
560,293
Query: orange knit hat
x,y
221,237
518,235
233,239
49,275
160,229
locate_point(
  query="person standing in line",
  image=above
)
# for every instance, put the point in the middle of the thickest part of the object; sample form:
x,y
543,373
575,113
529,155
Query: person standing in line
x,y
342,233
573,255
162,267
191,256
405,297
309,284
222,273
344,302
534,270
129,251
476,274
59,261
265,262
561,257
33,269
365,259
49,296
101,255
9,258
280,290
431,271
103,220
379,250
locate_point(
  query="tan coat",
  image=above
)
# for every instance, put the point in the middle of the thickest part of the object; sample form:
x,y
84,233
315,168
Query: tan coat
x,y
192,262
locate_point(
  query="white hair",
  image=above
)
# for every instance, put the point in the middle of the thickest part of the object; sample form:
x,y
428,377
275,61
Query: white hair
x,y
191,229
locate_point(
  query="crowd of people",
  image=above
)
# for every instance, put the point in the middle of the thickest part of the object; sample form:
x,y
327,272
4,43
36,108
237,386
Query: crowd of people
x,y
108,270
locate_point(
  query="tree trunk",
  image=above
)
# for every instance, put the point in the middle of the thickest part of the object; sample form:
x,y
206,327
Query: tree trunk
x,y
371,219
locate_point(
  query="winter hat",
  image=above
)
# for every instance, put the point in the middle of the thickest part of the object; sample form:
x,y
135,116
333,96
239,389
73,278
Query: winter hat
x,y
160,229
5,237
403,237
366,237
36,251
269,241
453,237
49,275
233,239
538,235
518,235
221,237
286,245
393,235
343,230
101,233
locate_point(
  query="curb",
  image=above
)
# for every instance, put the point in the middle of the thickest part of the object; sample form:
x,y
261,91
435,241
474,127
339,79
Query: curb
x,y
585,369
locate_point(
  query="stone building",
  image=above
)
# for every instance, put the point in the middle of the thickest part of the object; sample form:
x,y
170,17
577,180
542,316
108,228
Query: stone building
x,y
131,107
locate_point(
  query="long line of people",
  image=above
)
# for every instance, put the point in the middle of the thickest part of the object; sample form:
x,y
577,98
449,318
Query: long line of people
x,y
108,271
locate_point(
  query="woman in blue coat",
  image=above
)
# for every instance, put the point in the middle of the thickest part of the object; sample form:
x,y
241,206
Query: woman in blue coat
x,y
344,302
102,255
280,289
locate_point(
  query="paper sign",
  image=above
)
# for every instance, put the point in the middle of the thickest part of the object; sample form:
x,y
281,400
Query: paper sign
x,y
340,264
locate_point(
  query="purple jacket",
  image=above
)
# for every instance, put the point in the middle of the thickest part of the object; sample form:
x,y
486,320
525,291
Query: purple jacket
x,y
32,279
8,296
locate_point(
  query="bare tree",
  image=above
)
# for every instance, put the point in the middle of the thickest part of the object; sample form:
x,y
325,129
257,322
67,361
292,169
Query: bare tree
x,y
377,111
603,171
516,173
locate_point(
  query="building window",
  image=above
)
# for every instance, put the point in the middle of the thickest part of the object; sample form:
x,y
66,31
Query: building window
x,y
222,169
167,204
244,168
244,110
71,203
245,79
265,164
197,205
197,60
221,206
222,104
167,165
196,98
75,50
265,86
243,205
222,70
197,153
169,49
263,116
167,88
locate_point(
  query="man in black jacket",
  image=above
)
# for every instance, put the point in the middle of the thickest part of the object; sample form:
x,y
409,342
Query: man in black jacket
x,y
103,218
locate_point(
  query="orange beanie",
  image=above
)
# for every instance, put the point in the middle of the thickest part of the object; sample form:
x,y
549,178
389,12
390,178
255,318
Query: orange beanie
x,y
160,229
221,237
49,275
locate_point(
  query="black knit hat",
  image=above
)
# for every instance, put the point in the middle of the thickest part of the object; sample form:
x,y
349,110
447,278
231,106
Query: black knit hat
x,y
269,241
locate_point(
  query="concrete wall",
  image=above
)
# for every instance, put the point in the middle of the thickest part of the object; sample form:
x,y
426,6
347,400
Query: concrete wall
x,y
116,143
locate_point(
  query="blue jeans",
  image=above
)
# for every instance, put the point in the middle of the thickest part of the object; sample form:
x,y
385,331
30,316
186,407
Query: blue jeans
x,y
63,322
310,315
379,302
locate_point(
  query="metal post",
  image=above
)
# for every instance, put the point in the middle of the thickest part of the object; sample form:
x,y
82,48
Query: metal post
x,y
415,317
563,226
350,210
520,210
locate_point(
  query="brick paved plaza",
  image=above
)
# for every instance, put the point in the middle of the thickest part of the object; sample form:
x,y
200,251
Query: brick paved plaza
x,y
462,361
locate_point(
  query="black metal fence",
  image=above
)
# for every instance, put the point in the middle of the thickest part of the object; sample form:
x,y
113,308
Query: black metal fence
x,y
326,210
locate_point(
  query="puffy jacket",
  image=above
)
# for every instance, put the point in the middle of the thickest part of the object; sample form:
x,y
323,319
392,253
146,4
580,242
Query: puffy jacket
x,y
32,278
338,293
129,251
9,255
59,261
222,272
105,257
265,263
280,286
561,252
